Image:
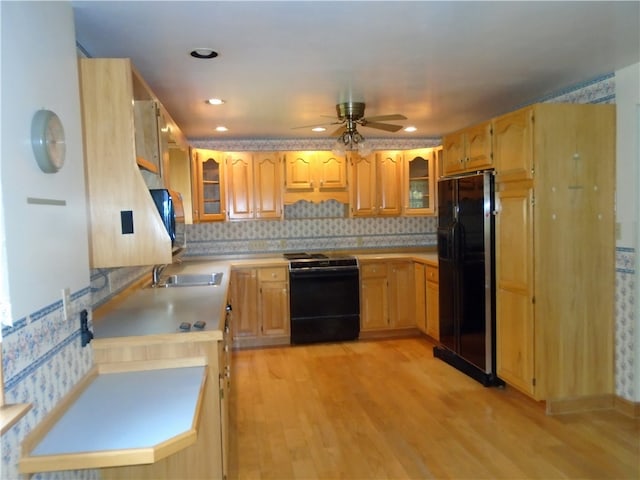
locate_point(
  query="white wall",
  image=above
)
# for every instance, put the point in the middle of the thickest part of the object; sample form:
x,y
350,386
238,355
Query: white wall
x,y
628,216
47,247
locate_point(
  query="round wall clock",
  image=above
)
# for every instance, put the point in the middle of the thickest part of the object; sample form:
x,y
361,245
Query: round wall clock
x,y
47,141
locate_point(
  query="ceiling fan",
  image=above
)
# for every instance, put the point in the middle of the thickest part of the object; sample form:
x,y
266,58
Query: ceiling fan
x,y
351,114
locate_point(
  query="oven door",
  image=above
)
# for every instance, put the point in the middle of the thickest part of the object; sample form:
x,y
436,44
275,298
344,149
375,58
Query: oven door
x,y
324,304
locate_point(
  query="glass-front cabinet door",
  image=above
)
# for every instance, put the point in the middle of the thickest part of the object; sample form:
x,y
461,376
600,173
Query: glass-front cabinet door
x,y
209,185
419,191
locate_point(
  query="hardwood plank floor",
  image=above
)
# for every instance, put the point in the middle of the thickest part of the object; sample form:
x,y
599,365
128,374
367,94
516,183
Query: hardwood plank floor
x,y
387,409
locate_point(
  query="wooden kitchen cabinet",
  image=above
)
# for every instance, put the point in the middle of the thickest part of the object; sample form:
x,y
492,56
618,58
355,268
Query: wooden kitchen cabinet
x,y
209,185
374,296
260,299
387,295
468,150
208,457
254,185
125,228
376,184
555,249
433,302
420,279
419,182
315,176
427,299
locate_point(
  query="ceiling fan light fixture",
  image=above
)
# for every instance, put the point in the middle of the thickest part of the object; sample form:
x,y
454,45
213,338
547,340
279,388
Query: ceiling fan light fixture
x,y
364,148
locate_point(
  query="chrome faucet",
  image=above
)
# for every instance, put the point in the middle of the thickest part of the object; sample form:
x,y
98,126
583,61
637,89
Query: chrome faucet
x,y
155,274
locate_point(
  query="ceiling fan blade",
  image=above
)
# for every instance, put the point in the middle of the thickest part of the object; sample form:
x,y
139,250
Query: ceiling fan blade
x,y
377,118
339,131
382,126
315,125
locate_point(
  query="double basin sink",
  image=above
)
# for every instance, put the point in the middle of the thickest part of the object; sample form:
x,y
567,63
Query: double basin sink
x,y
192,280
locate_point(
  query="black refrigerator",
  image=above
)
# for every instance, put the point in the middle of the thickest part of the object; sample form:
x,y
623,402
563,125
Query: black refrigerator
x,y
467,275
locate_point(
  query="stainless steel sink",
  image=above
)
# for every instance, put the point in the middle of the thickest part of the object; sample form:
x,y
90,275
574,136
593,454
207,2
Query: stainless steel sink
x,y
192,280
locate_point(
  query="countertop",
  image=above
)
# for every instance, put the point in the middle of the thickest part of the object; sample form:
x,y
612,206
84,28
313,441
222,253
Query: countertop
x,y
134,413
160,311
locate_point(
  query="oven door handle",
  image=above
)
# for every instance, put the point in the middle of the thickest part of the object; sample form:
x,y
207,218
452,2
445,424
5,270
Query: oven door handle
x,y
323,271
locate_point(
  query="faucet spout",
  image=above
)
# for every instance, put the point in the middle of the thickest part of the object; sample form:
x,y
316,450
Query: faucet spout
x,y
155,274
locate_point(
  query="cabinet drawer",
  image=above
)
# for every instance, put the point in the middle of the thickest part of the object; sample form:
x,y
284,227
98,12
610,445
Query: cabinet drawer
x,y
273,274
432,274
368,270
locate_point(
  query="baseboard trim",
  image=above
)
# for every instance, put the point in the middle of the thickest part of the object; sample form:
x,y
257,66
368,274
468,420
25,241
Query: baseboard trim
x,y
580,404
627,407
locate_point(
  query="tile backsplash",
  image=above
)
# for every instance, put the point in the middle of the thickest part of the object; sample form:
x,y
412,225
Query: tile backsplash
x,y
310,227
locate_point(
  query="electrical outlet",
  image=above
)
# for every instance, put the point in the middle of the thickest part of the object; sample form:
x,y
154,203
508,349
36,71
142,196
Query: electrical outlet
x,y
66,302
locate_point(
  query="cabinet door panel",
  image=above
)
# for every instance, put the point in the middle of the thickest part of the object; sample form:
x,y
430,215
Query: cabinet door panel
x,y
421,298
364,186
331,171
374,302
268,185
513,146
419,182
211,200
244,301
514,295
433,310
402,295
240,185
478,143
453,153
299,171
389,180
274,308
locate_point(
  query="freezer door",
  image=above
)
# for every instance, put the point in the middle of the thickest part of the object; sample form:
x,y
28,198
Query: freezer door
x,y
474,217
447,261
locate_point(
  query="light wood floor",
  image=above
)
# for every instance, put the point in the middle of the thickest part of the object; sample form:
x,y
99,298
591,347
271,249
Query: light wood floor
x,y
388,410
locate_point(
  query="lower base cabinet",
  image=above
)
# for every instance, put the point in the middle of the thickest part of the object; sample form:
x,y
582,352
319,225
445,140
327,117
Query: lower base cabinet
x,y
387,295
208,457
426,299
260,299
433,302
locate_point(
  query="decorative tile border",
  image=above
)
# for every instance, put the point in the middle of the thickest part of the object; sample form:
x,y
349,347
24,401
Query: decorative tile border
x,y
280,145
43,359
625,324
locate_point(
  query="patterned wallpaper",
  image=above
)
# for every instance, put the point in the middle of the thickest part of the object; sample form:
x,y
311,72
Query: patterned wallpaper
x,y
312,227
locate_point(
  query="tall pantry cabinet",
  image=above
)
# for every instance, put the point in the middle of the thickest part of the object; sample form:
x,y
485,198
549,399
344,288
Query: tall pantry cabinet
x,y
555,245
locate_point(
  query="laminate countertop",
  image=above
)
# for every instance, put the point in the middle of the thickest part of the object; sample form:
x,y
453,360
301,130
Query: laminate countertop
x,y
161,311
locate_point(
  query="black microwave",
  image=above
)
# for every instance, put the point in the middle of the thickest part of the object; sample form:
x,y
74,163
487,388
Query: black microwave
x,y
171,210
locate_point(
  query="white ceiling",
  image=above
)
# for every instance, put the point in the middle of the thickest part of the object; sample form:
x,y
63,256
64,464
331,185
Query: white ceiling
x,y
444,65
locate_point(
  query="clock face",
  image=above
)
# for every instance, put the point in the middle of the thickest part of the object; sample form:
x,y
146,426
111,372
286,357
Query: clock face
x,y
47,141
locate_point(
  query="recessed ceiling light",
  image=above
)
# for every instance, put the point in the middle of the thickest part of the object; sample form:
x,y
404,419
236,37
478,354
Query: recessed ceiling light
x,y
410,129
214,101
318,129
221,129
203,53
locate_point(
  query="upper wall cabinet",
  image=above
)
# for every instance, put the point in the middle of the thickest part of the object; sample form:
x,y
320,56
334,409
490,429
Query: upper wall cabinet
x,y
254,182
376,184
418,187
468,150
208,185
125,228
315,176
